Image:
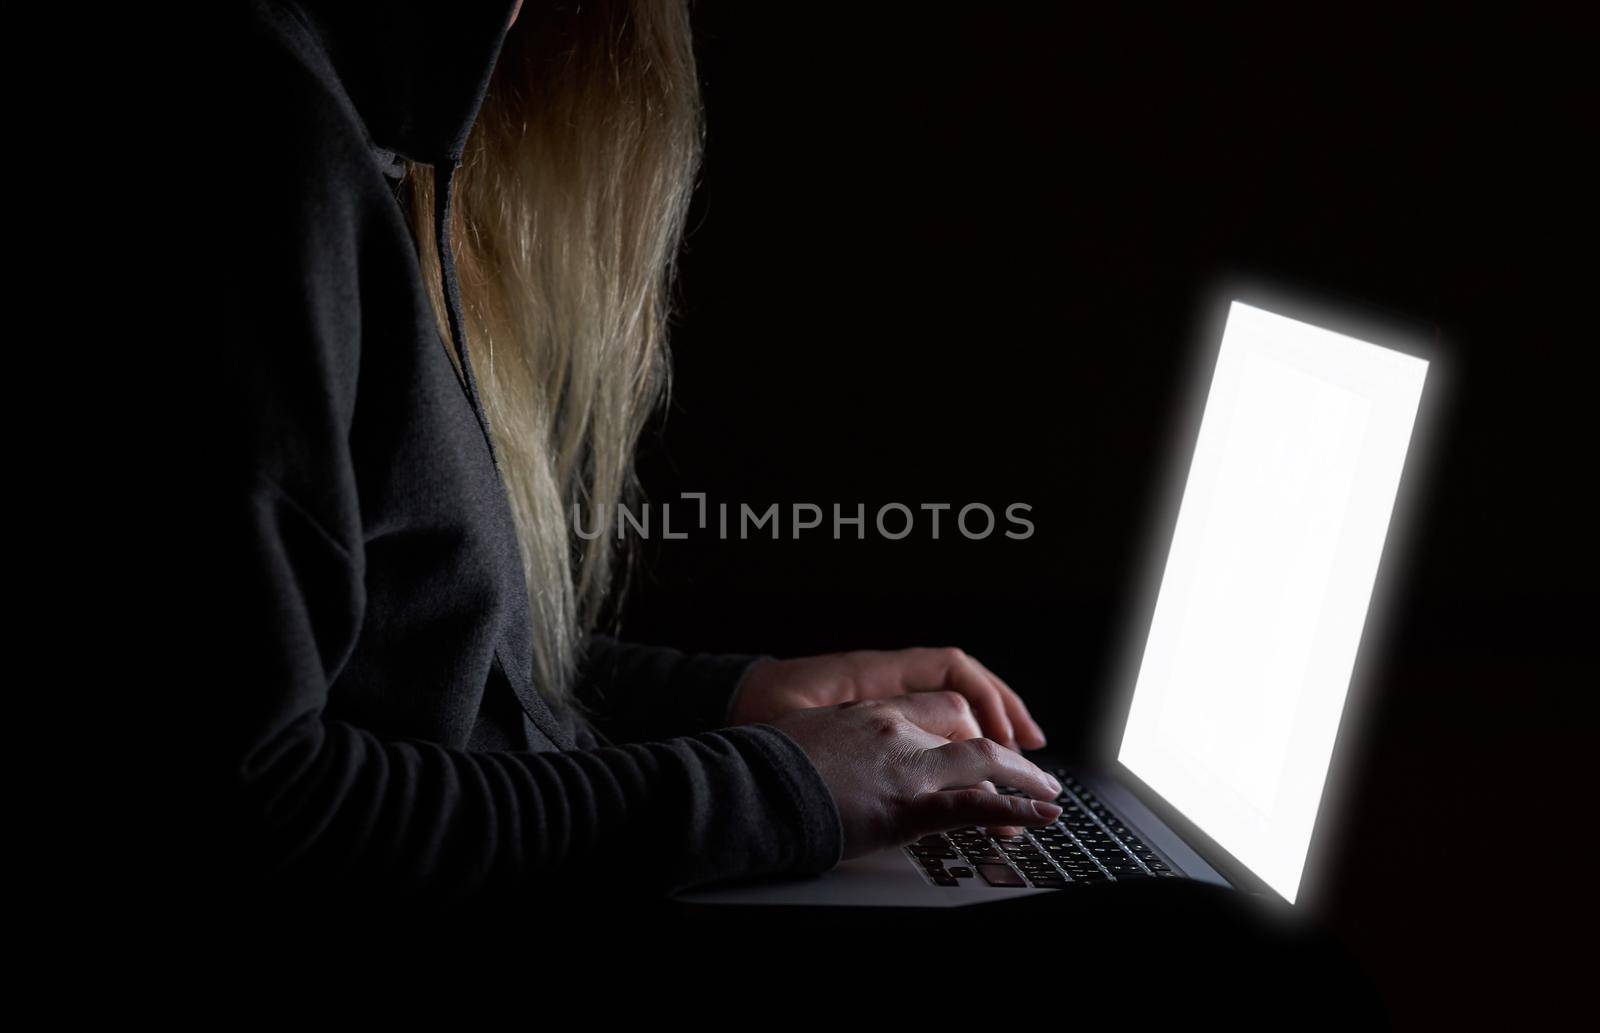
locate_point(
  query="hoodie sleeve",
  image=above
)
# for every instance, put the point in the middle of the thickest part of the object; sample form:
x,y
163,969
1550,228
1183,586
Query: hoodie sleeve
x,y
327,803
333,804
642,692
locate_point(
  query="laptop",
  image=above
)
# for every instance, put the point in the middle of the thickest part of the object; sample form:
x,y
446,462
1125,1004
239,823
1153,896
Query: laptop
x,y
1223,758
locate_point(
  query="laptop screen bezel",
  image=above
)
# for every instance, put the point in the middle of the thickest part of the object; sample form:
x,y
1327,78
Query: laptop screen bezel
x,y
1365,322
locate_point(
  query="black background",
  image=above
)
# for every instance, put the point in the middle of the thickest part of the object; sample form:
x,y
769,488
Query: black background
x,y
956,254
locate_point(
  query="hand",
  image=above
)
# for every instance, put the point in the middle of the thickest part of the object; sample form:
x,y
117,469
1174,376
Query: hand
x,y
772,688
896,775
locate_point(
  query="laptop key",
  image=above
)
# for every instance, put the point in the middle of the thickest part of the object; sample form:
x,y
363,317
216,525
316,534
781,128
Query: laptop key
x,y
1000,875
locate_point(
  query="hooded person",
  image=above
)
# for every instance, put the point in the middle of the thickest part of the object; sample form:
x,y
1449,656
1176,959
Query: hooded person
x,y
443,330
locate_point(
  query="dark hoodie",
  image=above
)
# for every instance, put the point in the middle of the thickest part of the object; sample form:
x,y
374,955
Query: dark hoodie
x,y
390,736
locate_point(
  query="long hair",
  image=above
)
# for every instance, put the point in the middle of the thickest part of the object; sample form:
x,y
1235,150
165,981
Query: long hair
x,y
569,210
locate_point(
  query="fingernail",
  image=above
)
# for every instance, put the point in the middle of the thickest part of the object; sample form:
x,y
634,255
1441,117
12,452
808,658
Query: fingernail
x,y
1053,784
1046,811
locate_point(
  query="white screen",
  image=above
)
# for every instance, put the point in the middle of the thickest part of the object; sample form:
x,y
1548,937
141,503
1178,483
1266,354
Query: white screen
x,y
1267,583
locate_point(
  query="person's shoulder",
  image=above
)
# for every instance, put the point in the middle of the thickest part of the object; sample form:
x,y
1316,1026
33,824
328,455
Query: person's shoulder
x,y
282,115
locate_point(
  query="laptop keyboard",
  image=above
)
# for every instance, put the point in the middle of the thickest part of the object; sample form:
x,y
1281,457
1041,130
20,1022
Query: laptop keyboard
x,y
1088,844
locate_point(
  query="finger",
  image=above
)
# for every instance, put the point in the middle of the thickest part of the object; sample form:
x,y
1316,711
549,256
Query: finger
x,y
998,830
1003,831
1029,734
954,808
964,763
942,713
968,678
929,669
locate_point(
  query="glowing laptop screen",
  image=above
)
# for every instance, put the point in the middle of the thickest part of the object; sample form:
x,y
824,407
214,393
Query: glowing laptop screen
x,y
1267,583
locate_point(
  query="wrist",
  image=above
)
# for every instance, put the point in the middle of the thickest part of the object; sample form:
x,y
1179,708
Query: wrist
x,y
736,713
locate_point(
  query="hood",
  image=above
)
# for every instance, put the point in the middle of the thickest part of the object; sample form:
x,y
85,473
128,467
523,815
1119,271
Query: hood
x,y
417,70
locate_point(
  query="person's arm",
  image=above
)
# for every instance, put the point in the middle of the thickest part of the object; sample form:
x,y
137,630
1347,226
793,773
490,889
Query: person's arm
x,y
330,801
643,692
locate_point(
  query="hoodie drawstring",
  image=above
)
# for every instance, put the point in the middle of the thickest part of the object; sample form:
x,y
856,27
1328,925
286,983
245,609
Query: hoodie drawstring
x,y
443,186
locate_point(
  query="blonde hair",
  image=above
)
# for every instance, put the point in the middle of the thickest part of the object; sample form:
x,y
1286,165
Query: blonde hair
x,y
568,212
